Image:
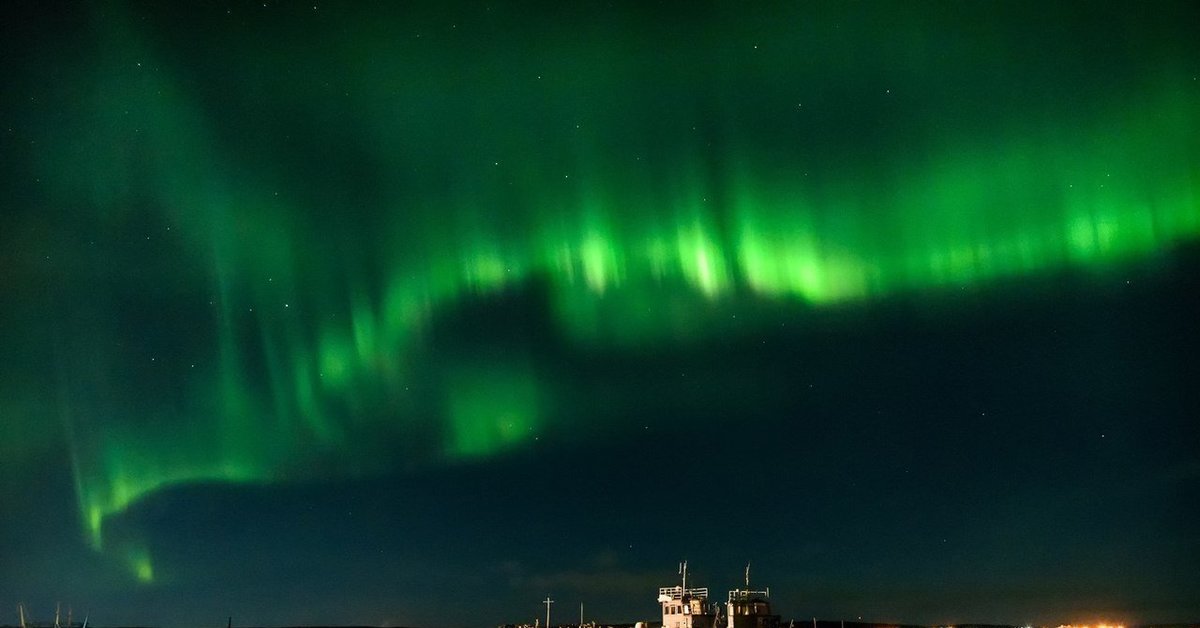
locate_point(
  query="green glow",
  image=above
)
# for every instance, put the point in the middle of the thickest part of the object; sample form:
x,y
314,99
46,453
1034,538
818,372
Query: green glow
x,y
490,412
140,565
949,224
320,329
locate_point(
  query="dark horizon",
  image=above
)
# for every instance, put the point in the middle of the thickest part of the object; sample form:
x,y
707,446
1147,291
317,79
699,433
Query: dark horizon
x,y
802,622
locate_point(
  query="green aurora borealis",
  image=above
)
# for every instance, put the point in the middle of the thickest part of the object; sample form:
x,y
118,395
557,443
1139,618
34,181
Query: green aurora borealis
x,y
261,215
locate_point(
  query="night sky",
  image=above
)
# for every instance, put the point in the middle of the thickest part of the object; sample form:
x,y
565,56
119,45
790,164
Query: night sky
x,y
394,313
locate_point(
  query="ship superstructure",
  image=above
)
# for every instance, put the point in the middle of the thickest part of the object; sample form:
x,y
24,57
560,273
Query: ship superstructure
x,y
684,607
747,608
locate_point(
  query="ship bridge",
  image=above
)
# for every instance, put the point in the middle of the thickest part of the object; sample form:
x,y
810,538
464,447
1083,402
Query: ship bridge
x,y
684,607
747,608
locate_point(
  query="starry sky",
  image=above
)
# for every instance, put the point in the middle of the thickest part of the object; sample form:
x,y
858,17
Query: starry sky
x,y
417,313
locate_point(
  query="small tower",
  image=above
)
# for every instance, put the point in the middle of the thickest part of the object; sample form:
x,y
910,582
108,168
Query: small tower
x,y
746,608
686,608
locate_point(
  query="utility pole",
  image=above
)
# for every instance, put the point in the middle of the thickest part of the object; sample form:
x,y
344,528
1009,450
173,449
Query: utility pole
x,y
581,614
548,602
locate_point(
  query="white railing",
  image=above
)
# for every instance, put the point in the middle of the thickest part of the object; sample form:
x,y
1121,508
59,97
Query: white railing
x,y
678,593
742,595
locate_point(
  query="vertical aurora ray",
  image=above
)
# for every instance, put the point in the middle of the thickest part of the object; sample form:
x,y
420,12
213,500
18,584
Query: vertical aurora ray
x,y
321,307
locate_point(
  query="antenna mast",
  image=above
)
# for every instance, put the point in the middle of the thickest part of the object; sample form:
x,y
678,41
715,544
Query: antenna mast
x,y
747,575
548,602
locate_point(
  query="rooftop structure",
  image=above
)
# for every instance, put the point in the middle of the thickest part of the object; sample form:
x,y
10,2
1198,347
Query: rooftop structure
x,y
684,607
745,608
